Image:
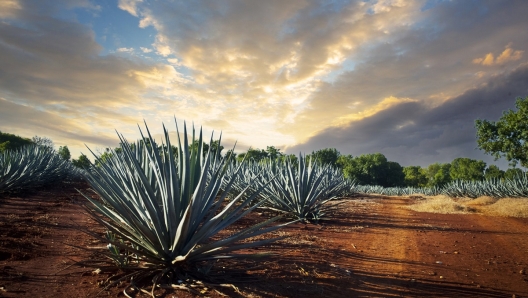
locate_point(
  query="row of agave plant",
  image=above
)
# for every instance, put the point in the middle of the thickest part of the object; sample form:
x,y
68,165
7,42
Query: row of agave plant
x,y
164,211
32,166
497,188
298,189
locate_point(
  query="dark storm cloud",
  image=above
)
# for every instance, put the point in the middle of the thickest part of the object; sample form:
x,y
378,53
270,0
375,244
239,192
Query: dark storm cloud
x,y
414,134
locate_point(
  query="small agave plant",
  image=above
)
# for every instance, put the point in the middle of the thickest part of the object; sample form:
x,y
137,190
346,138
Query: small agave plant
x,y
31,166
302,190
163,210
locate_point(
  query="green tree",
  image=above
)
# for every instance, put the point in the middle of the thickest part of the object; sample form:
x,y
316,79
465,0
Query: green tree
x,y
64,152
463,168
394,175
513,173
10,141
291,157
82,162
326,156
415,176
105,156
493,172
43,142
273,153
507,137
373,169
344,161
438,174
253,155
214,146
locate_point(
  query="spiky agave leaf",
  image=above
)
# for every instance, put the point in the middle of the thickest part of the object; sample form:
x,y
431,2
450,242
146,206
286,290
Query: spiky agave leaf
x,y
168,209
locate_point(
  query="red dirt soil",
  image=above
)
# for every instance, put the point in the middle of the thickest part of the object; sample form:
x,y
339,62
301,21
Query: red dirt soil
x,y
370,247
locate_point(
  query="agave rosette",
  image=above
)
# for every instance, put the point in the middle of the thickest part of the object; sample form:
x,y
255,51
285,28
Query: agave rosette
x,y
303,190
166,209
31,166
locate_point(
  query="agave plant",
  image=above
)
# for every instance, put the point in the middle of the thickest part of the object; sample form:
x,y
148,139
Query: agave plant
x,y
31,166
167,210
302,190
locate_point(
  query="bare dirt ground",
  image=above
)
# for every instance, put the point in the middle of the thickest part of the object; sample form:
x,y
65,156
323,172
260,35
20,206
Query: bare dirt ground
x,y
370,247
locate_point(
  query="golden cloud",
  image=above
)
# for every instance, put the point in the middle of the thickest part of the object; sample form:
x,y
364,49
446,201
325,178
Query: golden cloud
x,y
9,8
506,56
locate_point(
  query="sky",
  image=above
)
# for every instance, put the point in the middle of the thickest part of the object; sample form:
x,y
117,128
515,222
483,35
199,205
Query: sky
x,y
406,78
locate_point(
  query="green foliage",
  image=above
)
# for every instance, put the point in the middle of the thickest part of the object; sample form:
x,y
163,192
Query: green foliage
x,y
64,152
215,145
394,175
373,169
493,172
288,157
259,155
513,173
344,161
507,137
415,176
438,174
254,155
82,162
273,153
326,156
467,169
10,141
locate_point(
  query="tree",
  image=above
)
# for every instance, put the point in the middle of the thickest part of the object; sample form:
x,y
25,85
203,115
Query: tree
x,y
326,156
43,142
253,155
467,169
64,152
214,146
493,172
83,162
10,141
513,173
273,153
438,174
290,157
373,169
415,176
507,137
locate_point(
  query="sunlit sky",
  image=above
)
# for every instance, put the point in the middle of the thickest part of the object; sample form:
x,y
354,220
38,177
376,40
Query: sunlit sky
x,y
406,78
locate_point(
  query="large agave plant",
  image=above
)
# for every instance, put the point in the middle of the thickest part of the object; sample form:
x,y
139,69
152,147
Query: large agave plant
x,y
302,190
163,210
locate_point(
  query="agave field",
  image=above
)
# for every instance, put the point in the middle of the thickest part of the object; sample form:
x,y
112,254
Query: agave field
x,y
167,218
496,188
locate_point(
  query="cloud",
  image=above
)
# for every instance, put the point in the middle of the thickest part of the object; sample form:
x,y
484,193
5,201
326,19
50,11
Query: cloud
x,y
506,56
145,50
414,133
51,69
125,50
266,73
429,60
129,6
8,8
